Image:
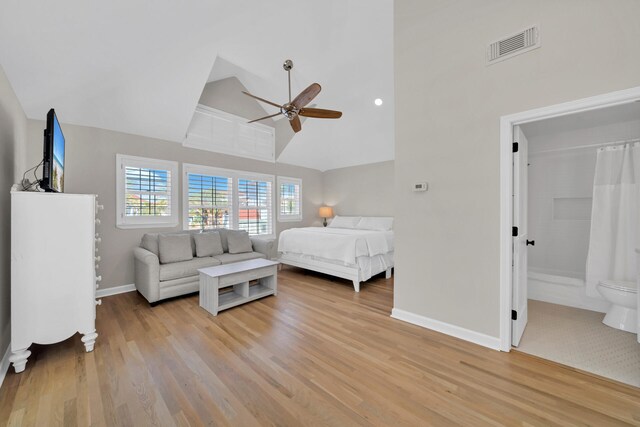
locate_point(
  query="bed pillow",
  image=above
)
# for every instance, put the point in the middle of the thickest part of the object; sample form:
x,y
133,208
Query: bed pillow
x,y
344,222
378,223
239,242
208,244
174,248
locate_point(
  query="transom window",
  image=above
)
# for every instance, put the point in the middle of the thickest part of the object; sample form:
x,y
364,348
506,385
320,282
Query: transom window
x,y
145,196
289,199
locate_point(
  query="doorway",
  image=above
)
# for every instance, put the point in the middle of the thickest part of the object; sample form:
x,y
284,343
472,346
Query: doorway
x,y
535,258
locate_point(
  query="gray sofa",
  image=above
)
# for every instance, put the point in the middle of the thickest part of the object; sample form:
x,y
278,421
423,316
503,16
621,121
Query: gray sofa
x,y
157,281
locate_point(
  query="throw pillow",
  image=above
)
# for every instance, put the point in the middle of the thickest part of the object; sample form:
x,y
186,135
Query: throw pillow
x,y
208,244
239,242
174,248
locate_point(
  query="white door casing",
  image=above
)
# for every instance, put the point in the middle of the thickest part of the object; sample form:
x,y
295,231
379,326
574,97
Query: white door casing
x,y
520,265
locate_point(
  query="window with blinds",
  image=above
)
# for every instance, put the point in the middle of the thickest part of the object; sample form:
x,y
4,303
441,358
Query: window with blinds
x,y
289,199
148,192
226,198
254,206
145,192
210,201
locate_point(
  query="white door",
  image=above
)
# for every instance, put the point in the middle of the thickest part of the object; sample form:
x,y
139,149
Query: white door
x,y
519,302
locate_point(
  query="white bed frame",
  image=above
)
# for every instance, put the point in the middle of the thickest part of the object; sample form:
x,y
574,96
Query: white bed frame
x,y
349,273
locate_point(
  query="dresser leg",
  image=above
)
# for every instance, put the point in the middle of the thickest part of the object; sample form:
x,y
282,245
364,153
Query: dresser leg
x,y
89,340
356,285
19,359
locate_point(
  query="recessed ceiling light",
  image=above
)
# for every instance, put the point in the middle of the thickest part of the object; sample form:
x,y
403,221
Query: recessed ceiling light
x,y
378,102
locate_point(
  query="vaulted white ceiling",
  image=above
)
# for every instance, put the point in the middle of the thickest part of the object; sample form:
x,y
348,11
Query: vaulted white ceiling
x,y
140,66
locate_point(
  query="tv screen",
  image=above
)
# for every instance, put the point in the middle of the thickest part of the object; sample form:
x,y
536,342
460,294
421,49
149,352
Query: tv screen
x,y
53,177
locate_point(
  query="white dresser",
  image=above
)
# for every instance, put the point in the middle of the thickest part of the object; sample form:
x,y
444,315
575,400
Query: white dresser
x,y
54,258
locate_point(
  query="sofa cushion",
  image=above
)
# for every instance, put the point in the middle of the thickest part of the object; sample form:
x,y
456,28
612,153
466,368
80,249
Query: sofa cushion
x,y
230,258
174,248
239,242
223,237
208,244
150,242
177,270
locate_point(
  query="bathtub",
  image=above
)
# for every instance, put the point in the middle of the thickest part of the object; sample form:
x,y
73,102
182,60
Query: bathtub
x,y
562,288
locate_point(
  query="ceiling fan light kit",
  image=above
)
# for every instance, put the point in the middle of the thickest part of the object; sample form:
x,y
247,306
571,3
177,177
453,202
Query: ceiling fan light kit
x,y
292,110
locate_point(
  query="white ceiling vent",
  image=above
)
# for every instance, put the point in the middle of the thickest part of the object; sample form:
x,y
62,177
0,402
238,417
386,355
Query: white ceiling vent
x,y
516,44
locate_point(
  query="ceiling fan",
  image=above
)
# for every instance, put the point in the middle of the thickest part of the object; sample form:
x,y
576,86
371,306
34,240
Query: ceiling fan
x,y
293,109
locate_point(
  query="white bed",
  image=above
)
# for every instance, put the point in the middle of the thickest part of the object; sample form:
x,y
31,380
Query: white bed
x,y
351,253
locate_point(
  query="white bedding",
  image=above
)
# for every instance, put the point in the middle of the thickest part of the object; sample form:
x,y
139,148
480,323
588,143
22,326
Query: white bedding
x,y
339,244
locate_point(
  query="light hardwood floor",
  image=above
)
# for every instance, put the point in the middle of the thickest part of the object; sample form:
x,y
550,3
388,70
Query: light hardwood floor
x,y
317,354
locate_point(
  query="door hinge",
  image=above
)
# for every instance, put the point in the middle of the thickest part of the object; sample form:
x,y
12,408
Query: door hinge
x,y
514,315
515,147
514,231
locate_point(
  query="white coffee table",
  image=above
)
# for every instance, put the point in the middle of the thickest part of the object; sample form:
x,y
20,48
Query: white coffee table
x,y
238,275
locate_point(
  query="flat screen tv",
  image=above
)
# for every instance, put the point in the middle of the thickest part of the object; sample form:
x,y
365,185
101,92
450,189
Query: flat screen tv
x,y
53,175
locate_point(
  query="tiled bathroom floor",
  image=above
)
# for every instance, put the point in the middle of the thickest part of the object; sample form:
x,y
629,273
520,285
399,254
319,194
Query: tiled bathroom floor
x,y
579,339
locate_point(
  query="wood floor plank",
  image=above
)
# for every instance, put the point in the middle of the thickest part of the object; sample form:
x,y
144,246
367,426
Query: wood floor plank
x,y
317,354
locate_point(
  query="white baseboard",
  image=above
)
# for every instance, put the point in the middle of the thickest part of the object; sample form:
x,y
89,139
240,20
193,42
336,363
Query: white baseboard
x,y
447,328
4,364
115,290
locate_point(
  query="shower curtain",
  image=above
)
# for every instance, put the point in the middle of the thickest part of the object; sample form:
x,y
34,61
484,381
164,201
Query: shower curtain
x,y
615,216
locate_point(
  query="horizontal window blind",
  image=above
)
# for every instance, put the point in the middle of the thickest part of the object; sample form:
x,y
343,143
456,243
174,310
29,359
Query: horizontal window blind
x,y
210,201
254,206
147,192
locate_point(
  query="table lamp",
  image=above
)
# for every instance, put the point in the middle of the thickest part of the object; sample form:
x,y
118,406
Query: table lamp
x,y
325,212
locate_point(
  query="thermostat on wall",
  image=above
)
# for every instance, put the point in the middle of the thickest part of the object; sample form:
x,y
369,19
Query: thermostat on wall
x,y
420,186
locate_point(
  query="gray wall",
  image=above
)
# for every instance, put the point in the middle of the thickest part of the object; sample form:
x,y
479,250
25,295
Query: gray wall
x,y
360,190
13,132
448,106
90,168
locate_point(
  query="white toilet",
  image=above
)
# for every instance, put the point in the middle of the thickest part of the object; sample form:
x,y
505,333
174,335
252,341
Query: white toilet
x,y
623,313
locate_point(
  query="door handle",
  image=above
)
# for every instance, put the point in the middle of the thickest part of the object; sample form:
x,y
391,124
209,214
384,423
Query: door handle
x,y
531,242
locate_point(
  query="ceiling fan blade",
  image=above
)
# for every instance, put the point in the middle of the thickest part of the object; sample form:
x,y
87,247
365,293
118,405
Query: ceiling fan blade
x,y
307,95
265,117
263,100
320,113
295,124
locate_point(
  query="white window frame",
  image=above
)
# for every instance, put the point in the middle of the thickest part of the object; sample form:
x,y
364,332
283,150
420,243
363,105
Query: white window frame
x,y
235,176
122,221
295,181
